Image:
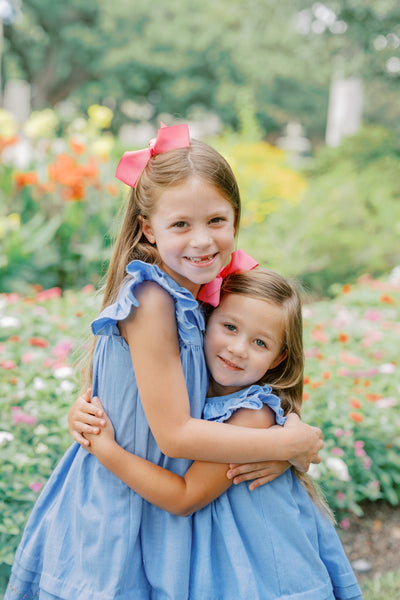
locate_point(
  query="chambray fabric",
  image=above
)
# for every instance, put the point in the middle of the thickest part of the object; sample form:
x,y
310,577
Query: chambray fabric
x,y
269,543
90,536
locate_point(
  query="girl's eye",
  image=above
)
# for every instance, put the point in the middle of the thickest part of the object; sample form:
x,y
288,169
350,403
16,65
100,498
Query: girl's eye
x,y
180,224
217,220
260,343
229,326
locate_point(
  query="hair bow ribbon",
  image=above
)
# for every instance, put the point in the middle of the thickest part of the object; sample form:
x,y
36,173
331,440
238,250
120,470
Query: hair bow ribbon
x,y
132,163
240,261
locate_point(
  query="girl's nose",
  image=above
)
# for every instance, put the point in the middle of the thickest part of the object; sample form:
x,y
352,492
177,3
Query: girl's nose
x,y
238,347
200,238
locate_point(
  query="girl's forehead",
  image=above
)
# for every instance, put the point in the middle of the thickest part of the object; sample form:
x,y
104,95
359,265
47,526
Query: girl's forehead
x,y
193,194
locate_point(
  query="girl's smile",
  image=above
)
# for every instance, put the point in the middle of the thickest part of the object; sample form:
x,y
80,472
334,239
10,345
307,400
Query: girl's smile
x,y
243,341
192,226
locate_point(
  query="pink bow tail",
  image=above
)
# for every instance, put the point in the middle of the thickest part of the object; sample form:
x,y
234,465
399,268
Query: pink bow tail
x,y
210,293
132,163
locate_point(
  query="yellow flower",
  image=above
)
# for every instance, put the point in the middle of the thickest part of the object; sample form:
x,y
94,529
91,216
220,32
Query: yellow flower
x,y
41,124
8,126
100,116
102,146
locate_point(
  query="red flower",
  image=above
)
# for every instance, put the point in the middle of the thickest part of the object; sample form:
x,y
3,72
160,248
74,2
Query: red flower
x,y
23,179
356,417
342,337
355,403
39,342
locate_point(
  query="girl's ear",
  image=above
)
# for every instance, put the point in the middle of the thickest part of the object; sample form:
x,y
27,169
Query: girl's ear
x,y
279,359
147,230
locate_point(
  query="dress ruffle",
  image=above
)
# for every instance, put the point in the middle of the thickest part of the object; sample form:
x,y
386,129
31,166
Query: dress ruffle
x,y
221,408
186,306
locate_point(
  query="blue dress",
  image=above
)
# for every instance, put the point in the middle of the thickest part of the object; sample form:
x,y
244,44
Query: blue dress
x,y
89,536
269,543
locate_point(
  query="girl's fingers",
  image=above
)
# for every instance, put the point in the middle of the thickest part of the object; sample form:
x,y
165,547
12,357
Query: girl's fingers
x,y
87,428
80,439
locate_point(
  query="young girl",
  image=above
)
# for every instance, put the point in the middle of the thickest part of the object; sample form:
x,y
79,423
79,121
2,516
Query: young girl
x,y
274,542
89,535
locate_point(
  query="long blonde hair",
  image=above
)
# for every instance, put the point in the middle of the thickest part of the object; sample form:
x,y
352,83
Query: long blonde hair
x,y
163,171
286,379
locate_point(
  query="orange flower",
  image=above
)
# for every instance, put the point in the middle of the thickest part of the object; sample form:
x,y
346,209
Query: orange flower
x,y
373,397
77,147
343,338
386,299
306,380
356,417
316,384
112,189
355,403
346,288
23,179
326,375
39,342
306,396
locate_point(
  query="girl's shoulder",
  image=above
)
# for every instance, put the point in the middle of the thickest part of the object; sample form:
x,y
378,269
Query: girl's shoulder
x,y
221,408
147,284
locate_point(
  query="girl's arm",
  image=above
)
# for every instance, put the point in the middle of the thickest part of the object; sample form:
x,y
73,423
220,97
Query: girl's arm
x,y
181,496
153,342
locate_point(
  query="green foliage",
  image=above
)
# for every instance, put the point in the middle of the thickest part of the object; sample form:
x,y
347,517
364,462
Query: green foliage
x,y
348,221
351,391
56,218
386,586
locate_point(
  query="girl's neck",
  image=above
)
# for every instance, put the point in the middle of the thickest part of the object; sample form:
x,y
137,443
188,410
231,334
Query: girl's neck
x,y
215,389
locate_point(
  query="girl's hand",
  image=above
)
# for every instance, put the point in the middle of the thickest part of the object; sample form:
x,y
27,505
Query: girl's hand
x,y
310,441
101,443
85,417
260,472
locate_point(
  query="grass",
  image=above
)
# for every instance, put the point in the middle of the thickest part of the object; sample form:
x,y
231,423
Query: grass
x,y
386,587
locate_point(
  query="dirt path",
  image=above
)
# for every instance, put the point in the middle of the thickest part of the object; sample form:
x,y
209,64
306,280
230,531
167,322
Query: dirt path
x,y
374,539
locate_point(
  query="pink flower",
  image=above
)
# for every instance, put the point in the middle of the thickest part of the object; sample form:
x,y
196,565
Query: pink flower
x,y
367,462
345,524
350,359
36,487
54,292
372,315
340,496
28,357
62,349
8,364
22,417
359,448
338,432
337,451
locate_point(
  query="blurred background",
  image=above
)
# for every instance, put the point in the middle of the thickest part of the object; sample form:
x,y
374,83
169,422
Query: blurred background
x,y
302,98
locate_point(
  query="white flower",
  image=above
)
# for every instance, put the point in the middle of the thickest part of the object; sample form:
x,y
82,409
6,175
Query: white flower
x,y
40,430
387,368
339,467
41,448
386,402
9,322
38,384
314,471
67,386
5,436
63,372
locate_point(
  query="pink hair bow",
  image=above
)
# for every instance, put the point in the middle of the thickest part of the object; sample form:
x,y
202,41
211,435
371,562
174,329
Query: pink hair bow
x,y
240,261
168,138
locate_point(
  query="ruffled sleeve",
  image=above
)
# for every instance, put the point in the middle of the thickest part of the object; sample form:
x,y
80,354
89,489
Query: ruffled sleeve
x,y
189,317
221,408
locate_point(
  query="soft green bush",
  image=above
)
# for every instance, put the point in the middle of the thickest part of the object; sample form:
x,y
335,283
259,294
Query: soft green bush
x,y
351,392
57,214
347,222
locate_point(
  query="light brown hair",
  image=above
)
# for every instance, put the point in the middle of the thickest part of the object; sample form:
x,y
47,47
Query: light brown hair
x,y
164,171
286,379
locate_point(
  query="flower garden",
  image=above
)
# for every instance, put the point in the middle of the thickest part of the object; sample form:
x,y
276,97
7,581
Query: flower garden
x,y
351,392
57,215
